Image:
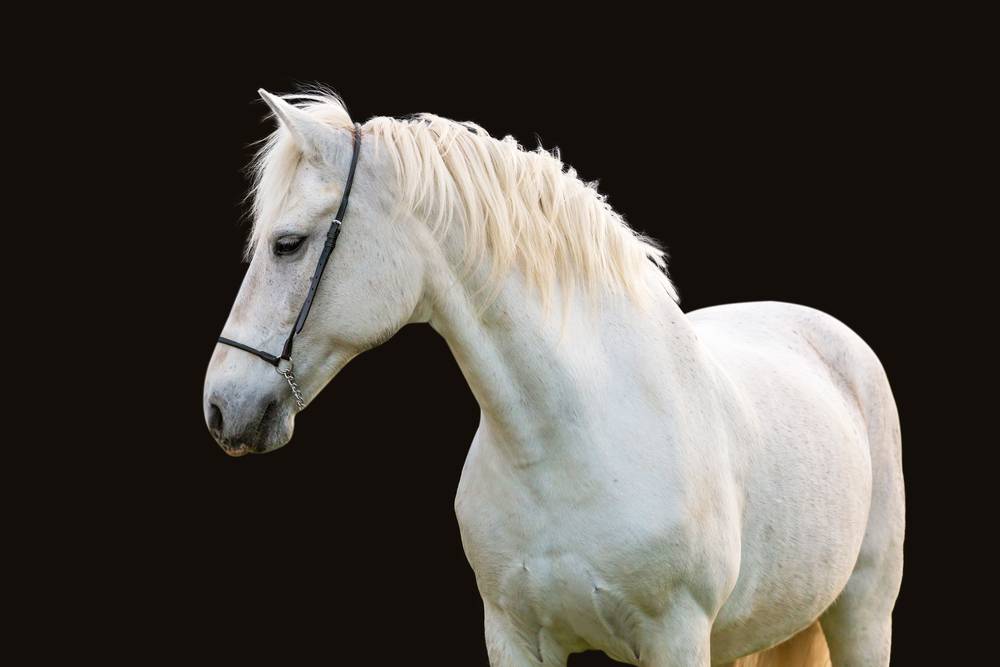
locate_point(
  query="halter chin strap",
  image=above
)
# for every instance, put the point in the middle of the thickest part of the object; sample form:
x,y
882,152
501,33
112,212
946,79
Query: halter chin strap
x,y
284,362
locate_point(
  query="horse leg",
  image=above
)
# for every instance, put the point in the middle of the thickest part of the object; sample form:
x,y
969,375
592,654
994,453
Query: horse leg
x,y
858,626
507,648
681,639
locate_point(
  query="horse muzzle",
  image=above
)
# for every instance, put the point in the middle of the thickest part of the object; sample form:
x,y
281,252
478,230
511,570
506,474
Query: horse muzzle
x,y
243,424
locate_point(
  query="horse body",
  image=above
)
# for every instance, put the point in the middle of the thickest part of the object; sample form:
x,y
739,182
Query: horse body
x,y
723,478
670,488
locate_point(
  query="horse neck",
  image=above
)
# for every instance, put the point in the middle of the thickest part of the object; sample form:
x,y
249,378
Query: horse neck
x,y
542,375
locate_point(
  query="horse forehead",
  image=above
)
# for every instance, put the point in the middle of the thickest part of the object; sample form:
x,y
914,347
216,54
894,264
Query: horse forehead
x,y
303,202
303,188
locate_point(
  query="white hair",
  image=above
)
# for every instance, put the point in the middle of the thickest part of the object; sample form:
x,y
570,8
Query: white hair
x,y
515,207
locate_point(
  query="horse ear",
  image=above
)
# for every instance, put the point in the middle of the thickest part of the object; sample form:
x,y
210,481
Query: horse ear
x,y
314,138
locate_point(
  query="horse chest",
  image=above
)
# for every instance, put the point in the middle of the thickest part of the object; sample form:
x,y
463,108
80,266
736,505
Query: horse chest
x,y
590,573
581,597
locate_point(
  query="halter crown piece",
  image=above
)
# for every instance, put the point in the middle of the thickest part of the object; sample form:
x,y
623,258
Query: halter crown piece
x,y
283,363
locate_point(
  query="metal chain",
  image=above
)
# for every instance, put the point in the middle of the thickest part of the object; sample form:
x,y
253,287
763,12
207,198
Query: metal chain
x,y
290,377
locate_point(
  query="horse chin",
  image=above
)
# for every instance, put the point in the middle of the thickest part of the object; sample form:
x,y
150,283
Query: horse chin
x,y
271,446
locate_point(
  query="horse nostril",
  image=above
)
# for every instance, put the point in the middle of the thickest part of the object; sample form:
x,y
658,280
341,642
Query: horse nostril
x,y
215,418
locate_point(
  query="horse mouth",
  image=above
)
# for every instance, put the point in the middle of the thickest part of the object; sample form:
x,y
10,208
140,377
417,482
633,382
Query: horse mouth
x,y
237,452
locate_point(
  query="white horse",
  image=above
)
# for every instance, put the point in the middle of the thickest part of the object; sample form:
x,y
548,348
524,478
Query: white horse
x,y
670,488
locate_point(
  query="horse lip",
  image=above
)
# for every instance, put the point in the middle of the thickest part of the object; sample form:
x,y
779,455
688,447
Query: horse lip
x,y
237,452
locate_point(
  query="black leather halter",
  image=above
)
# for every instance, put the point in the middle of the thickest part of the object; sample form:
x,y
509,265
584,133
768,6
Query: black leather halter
x,y
283,363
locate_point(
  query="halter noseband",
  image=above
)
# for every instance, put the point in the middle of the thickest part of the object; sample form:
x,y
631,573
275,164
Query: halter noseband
x,y
283,363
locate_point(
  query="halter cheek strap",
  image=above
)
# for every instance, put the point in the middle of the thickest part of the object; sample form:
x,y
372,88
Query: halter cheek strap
x,y
283,363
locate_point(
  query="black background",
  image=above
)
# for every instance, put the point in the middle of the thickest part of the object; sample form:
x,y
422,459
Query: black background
x,y
814,177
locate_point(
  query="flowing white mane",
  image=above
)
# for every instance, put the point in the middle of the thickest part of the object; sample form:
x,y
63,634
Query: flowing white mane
x,y
514,206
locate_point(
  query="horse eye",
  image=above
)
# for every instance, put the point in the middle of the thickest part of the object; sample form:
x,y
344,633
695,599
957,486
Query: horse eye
x,y
287,245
